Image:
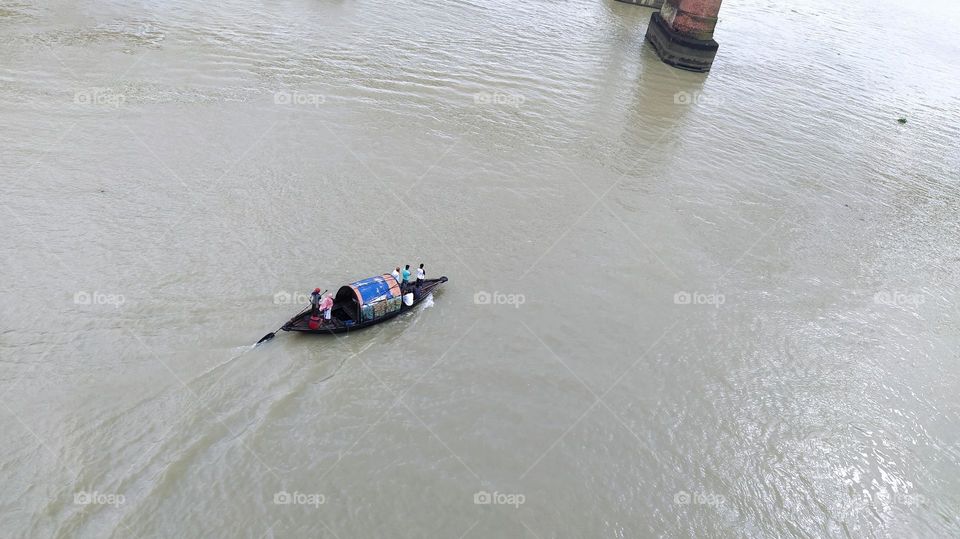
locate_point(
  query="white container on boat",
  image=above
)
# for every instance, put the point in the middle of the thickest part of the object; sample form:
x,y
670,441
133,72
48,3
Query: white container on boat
x,y
408,299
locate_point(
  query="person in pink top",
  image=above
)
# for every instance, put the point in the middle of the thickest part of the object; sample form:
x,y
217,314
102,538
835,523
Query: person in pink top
x,y
326,305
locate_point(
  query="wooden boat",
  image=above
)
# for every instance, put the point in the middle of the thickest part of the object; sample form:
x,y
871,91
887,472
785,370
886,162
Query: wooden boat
x,y
364,303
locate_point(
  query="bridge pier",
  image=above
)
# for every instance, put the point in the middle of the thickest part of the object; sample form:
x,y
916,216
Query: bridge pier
x,y
682,33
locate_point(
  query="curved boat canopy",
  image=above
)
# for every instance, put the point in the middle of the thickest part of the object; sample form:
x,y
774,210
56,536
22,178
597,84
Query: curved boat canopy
x,y
370,298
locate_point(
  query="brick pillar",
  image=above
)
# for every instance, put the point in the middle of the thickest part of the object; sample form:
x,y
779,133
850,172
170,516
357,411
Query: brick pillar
x,y
682,33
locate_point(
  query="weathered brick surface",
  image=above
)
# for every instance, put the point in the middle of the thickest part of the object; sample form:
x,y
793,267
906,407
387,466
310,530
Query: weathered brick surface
x,y
693,18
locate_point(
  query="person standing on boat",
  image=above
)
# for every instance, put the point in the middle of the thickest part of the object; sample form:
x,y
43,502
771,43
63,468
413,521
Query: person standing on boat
x,y
315,302
420,275
396,274
406,277
326,305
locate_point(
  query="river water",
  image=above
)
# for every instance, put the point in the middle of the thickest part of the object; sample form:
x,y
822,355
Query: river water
x,y
679,305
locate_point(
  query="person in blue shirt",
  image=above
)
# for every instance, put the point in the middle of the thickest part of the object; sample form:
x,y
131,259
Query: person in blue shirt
x,y
406,277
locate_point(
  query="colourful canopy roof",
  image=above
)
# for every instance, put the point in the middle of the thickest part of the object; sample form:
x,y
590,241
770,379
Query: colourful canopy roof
x,y
376,289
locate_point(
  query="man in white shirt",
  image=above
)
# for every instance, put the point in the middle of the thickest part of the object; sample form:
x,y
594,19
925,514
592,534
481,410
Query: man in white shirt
x,y
420,275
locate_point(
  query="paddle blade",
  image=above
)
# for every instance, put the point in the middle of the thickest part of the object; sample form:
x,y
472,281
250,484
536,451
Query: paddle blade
x,y
266,338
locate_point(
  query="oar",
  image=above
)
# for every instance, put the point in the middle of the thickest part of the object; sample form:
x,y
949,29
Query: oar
x,y
268,336
273,334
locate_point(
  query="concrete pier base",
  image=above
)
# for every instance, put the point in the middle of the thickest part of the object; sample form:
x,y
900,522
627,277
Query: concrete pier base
x,y
682,33
656,4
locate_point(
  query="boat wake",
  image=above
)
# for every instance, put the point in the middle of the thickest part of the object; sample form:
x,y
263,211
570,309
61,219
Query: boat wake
x,y
236,353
